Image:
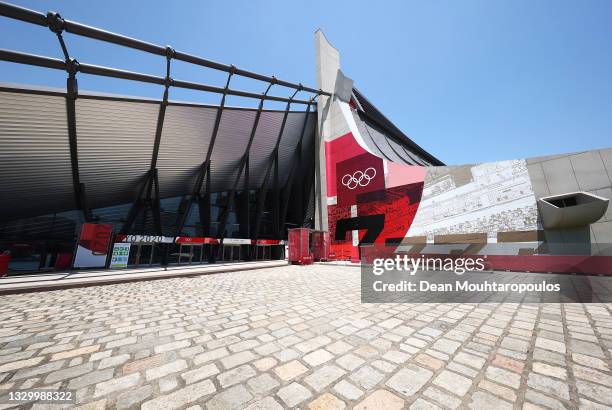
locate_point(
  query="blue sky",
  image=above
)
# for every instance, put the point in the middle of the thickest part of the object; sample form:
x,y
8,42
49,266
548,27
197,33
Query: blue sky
x,y
470,81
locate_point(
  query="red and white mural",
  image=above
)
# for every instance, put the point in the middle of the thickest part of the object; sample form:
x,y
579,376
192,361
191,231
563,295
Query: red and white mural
x,y
486,209
369,200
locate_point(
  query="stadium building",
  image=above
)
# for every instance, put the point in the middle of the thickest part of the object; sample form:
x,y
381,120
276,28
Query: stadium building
x,y
186,183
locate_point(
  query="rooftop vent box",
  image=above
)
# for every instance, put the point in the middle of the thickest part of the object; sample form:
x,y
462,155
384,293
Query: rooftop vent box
x,y
571,210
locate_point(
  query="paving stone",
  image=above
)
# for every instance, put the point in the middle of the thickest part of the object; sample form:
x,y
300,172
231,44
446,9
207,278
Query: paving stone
x,y
76,352
267,403
366,351
265,364
116,384
262,384
294,394
327,401
210,356
366,377
168,383
69,373
237,359
290,370
89,379
396,356
192,351
181,397
549,344
339,347
589,405
512,354
122,342
508,363
590,361
38,370
445,399
470,360
482,400
548,385
348,390
420,404
19,364
503,376
166,369
200,373
446,346
409,380
453,382
134,397
543,400
113,361
384,366
513,343
95,405
142,364
313,344
390,323
381,399
429,361
323,377
548,370
236,375
287,354
244,345
498,390
550,357
318,357
591,349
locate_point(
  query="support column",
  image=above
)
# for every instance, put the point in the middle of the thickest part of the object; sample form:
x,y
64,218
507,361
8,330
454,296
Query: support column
x,y
232,194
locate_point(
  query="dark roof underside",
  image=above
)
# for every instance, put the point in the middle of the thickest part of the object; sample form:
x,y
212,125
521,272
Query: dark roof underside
x,y
115,139
388,140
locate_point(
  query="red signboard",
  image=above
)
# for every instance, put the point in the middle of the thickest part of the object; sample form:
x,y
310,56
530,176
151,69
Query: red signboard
x,y
186,240
268,242
93,245
96,237
358,175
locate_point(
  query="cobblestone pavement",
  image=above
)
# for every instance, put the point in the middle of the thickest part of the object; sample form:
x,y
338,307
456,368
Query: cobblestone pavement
x,y
299,337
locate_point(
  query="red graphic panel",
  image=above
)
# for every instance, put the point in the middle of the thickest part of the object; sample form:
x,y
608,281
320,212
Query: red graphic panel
x,y
96,237
399,205
338,150
334,214
385,210
358,175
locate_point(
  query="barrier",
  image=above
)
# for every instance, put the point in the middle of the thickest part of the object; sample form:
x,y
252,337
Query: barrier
x,y
5,258
299,246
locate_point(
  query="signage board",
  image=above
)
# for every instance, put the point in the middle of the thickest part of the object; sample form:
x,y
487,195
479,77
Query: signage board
x,y
145,239
236,241
120,255
92,248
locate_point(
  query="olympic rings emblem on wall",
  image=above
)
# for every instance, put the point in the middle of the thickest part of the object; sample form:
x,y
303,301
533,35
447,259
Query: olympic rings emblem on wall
x,y
359,178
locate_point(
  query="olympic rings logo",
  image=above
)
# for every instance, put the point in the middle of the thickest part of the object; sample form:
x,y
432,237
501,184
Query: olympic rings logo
x,y
359,178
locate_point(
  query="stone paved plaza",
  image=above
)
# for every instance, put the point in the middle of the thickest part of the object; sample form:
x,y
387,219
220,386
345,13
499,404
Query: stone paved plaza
x,y
298,337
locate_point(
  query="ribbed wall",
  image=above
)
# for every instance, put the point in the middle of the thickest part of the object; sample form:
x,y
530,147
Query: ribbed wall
x,y
35,166
184,143
263,146
115,139
291,138
385,146
115,143
232,139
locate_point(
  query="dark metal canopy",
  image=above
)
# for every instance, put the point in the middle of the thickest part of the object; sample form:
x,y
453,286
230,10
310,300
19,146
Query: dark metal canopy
x,y
66,150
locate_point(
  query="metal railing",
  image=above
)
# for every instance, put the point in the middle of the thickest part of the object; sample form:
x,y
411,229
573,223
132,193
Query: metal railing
x,y
58,25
